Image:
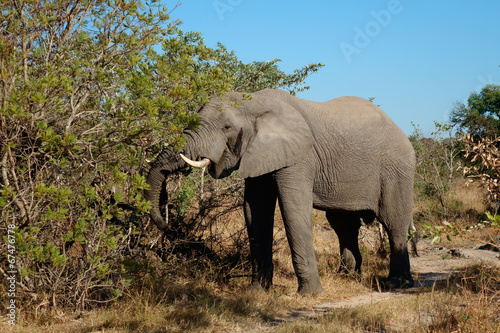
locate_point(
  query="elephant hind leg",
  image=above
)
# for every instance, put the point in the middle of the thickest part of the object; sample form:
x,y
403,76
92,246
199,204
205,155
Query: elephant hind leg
x,y
399,271
396,216
346,226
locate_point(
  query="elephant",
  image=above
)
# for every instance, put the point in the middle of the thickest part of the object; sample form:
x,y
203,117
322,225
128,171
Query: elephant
x,y
344,156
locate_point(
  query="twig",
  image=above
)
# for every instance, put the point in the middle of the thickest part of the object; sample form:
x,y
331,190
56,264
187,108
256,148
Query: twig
x,y
19,283
153,243
21,204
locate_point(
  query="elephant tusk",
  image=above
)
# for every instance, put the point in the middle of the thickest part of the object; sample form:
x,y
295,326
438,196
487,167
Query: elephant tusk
x,y
197,164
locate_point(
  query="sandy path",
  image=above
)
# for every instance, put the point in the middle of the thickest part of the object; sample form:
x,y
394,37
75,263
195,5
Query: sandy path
x,y
434,264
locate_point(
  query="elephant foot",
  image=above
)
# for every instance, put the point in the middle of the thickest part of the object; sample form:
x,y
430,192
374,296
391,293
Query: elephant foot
x,y
310,289
397,282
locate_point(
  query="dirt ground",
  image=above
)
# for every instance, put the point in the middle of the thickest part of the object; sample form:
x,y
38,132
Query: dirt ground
x,y
435,264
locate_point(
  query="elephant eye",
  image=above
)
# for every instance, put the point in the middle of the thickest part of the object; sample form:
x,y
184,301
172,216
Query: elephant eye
x,y
227,127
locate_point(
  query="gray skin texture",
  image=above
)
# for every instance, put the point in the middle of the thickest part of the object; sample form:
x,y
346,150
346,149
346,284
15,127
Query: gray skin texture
x,y
344,156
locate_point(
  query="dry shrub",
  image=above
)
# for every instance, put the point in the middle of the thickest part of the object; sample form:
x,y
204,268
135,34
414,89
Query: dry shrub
x,y
471,304
487,172
464,210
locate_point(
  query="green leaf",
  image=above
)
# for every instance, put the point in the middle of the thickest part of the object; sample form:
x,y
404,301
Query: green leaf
x,y
436,239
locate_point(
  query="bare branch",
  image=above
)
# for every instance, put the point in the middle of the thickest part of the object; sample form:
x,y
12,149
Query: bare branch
x,y
21,204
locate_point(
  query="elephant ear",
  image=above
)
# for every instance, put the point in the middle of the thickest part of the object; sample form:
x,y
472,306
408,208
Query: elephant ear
x,y
282,138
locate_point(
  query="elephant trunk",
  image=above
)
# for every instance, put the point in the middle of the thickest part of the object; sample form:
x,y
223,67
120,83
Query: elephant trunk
x,y
169,162
166,163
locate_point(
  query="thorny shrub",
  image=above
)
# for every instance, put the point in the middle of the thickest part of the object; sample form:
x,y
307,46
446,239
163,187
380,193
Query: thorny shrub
x,y
87,99
486,152
484,167
80,107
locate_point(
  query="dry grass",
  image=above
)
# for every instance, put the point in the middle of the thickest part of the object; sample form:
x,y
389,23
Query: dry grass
x,y
176,301
182,303
462,202
469,302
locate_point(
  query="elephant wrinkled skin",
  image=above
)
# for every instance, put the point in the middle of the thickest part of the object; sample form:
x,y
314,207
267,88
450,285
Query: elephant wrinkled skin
x,y
344,156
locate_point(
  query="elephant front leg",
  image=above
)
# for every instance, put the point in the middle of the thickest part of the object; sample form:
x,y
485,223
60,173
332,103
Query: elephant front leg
x,y
295,199
259,207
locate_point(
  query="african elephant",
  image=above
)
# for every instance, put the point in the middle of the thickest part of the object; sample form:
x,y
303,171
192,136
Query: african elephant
x,y
344,156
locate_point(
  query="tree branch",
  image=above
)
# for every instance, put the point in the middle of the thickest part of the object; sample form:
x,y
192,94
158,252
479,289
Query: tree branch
x,y
21,204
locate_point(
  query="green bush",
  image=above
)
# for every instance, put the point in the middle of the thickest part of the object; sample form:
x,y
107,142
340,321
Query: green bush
x,y
88,98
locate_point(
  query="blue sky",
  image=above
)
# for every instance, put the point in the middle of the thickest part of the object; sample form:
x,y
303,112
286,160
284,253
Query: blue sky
x,y
417,57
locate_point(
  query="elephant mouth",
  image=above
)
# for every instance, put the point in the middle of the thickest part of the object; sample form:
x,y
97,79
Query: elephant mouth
x,y
224,173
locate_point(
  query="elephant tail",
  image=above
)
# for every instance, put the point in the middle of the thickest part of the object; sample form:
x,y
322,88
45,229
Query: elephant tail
x,y
413,237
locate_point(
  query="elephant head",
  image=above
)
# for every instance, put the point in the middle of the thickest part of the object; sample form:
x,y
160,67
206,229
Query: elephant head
x,y
254,134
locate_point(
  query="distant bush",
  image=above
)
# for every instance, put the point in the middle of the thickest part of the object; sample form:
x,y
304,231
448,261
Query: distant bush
x,y
438,163
479,116
478,160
